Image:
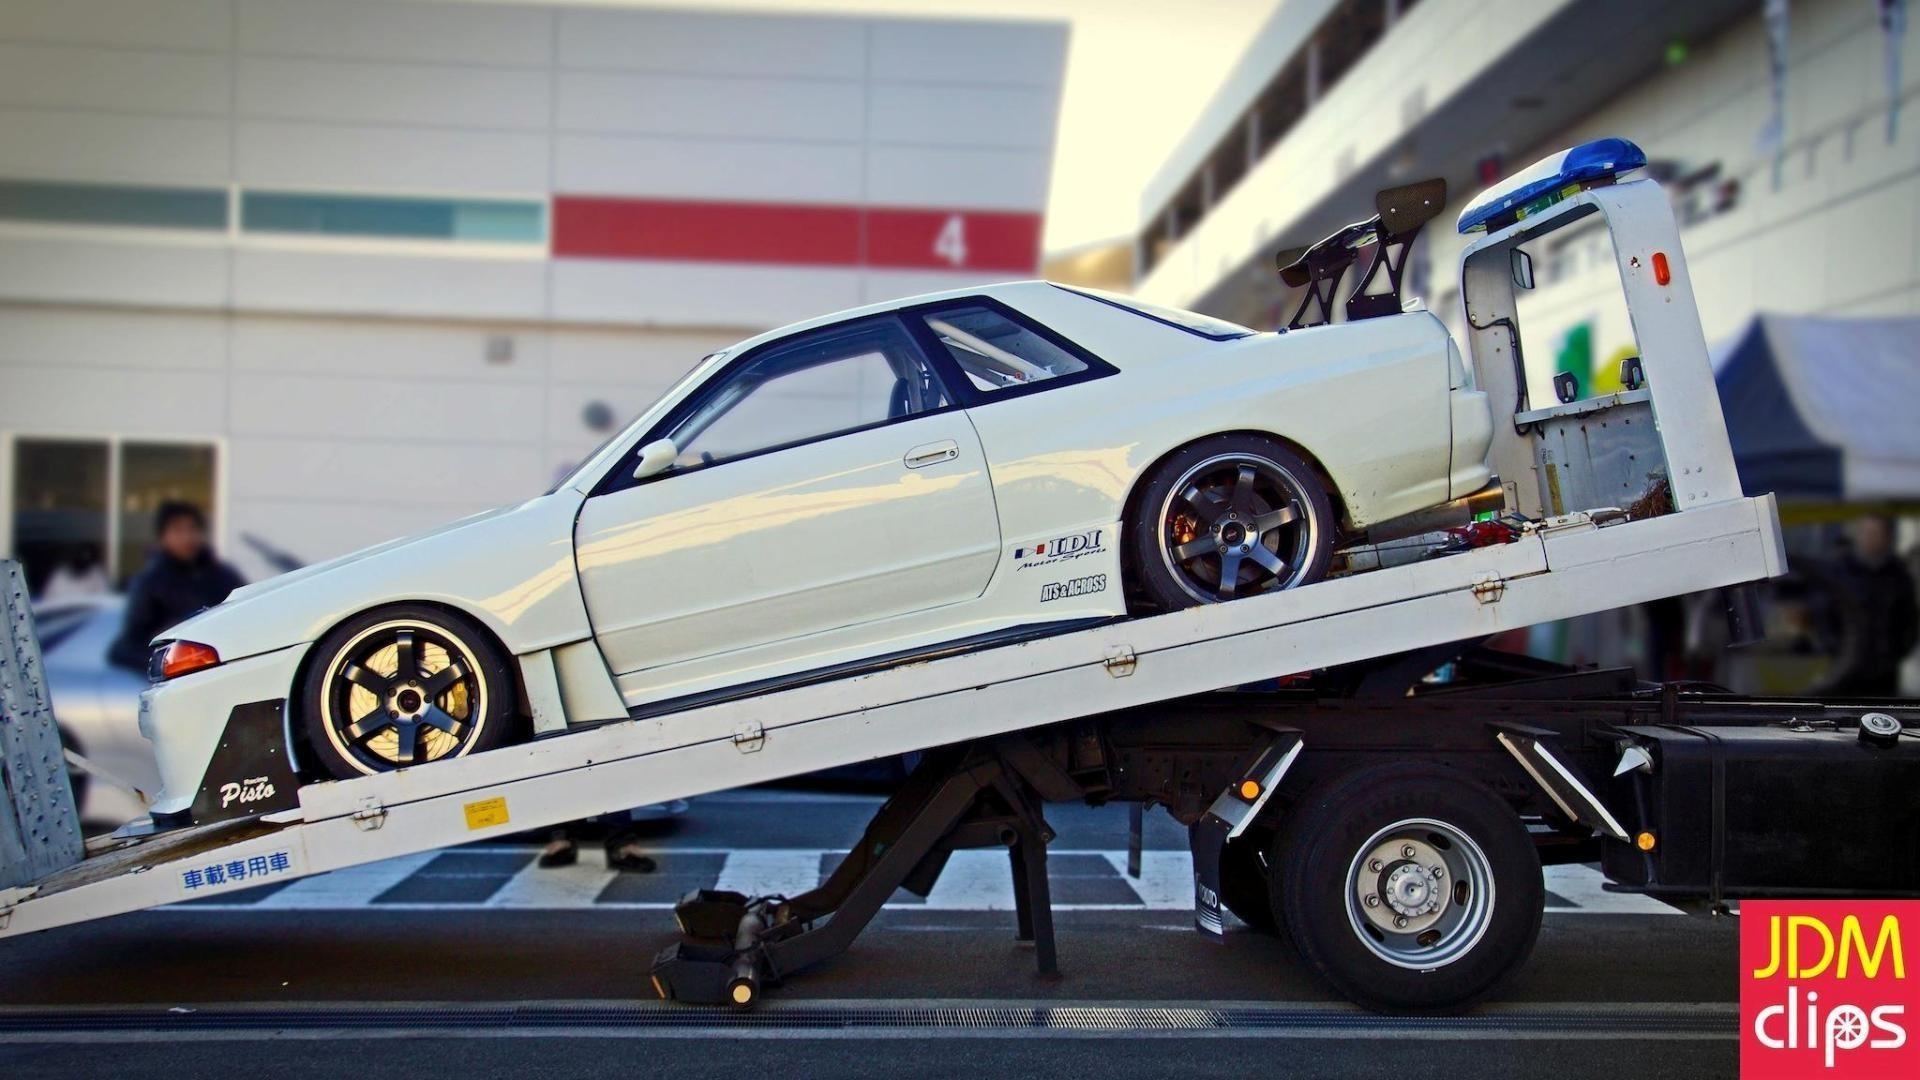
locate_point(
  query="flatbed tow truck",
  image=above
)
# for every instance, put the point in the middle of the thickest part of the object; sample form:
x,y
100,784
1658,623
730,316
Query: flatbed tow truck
x,y
1390,821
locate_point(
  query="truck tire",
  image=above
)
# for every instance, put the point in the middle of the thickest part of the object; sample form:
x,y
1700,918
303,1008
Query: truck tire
x,y
1243,881
1409,887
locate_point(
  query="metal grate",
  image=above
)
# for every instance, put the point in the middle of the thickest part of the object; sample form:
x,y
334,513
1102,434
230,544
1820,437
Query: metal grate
x,y
1670,1020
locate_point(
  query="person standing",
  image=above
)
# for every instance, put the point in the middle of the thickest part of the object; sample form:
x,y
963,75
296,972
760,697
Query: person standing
x,y
181,577
1879,620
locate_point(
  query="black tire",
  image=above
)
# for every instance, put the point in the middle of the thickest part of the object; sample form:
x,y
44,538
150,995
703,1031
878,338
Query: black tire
x,y
1240,507
429,717
1243,880
1338,824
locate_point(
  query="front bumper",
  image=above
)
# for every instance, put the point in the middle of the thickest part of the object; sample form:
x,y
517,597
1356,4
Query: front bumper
x,y
184,718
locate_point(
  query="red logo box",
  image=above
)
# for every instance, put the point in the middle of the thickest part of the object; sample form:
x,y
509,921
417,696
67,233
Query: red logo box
x,y
1828,988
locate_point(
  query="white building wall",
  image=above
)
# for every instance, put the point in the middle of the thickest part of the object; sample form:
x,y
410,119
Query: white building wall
x,y
1837,234
1430,55
361,388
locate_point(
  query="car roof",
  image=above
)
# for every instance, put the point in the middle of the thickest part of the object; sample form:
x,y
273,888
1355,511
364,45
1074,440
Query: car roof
x,y
1005,291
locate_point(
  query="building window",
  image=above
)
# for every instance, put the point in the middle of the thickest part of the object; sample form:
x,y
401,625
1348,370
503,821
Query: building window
x,y
1283,104
1346,35
484,221
53,202
85,503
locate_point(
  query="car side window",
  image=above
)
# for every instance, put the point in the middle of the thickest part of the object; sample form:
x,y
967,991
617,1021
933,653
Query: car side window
x,y
824,384
996,352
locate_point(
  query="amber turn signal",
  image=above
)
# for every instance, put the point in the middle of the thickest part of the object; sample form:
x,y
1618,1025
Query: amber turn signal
x,y
183,657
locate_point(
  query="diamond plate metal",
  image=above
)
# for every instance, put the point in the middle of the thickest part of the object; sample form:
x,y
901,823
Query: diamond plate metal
x,y
39,825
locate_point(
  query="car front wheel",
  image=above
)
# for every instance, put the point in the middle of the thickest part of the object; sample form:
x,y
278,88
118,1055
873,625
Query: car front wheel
x,y
1227,517
402,686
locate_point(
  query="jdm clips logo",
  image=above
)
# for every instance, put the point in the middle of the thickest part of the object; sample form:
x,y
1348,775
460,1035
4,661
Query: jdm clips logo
x,y
1824,989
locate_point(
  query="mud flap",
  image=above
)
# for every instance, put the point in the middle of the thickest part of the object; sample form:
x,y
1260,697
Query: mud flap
x,y
1232,811
249,773
1207,837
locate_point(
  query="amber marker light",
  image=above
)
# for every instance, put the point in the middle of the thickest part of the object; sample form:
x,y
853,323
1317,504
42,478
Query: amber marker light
x,y
184,657
1645,841
1249,789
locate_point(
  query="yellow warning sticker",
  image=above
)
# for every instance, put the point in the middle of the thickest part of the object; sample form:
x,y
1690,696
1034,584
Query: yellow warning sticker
x,y
487,813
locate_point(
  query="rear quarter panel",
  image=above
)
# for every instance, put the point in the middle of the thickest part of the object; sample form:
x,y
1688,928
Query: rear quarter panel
x,y
1368,401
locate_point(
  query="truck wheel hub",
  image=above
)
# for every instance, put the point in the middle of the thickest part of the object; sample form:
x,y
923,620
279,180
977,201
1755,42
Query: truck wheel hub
x,y
1410,890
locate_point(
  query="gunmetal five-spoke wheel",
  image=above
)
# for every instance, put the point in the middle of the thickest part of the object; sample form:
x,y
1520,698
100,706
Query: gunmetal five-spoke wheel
x,y
1228,517
402,687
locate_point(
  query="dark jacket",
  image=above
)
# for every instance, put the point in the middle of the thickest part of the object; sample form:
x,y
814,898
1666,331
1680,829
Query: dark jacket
x,y
1879,624
162,594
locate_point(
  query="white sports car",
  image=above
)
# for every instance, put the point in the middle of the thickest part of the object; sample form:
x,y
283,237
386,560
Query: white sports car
x,y
950,470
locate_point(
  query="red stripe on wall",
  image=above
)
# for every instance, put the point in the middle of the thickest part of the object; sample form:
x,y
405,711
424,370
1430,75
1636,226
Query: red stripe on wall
x,y
794,234
706,231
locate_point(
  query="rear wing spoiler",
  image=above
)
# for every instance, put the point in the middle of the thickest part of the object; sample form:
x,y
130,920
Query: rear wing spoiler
x,y
1399,214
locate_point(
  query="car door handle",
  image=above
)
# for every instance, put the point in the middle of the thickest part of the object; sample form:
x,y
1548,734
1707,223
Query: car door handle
x,y
932,453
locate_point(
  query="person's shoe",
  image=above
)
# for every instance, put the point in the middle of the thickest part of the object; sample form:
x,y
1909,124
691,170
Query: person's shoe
x,y
628,855
559,853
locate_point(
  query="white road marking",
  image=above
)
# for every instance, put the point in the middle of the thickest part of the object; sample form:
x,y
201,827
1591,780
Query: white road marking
x,y
770,873
973,881
349,888
568,887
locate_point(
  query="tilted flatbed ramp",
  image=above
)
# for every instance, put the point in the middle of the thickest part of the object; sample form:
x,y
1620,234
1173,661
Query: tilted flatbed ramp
x,y
1563,568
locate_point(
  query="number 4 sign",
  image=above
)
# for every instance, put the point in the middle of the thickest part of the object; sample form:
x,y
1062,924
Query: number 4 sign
x,y
951,244
946,239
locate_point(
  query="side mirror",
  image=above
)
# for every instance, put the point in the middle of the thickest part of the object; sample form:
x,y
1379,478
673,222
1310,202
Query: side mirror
x,y
655,457
1522,269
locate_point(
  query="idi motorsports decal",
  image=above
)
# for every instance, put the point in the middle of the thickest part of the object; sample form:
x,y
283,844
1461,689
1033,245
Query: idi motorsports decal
x,y
1060,549
1826,989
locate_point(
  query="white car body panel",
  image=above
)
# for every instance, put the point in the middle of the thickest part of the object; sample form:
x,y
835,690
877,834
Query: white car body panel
x,y
800,541
185,717
833,552
510,568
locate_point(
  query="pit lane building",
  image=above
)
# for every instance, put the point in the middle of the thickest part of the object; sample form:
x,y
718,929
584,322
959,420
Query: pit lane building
x,y
345,271
1338,98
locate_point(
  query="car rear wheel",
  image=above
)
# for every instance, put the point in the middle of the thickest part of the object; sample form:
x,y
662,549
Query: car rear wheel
x,y
402,686
1227,517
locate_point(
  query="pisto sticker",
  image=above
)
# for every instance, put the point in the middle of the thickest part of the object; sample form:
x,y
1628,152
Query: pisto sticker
x,y
1826,990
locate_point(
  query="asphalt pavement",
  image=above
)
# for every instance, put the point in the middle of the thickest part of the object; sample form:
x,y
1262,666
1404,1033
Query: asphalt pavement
x,y
478,962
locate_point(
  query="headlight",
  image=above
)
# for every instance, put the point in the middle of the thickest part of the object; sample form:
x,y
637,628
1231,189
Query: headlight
x,y
177,658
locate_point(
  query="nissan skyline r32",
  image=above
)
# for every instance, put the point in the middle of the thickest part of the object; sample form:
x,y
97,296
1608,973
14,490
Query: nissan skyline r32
x,y
924,475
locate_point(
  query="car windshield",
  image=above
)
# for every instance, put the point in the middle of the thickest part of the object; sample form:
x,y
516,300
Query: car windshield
x,y
697,372
1192,322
